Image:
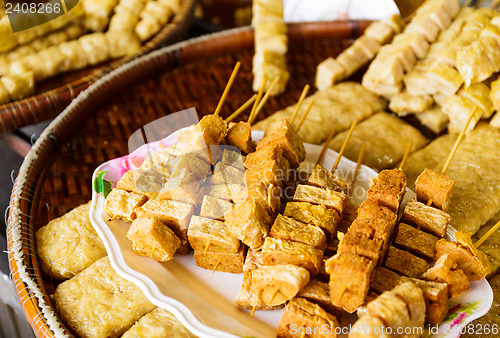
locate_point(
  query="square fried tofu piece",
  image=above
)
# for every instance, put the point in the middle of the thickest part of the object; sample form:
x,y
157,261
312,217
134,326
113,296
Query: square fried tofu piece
x,y
282,134
221,261
69,244
444,271
375,221
329,72
329,198
324,178
228,192
249,298
405,263
97,302
239,134
318,292
215,208
350,277
154,239
319,215
181,188
357,243
143,182
434,186
306,318
279,283
388,188
290,229
158,323
123,204
232,156
268,195
415,241
391,309
206,232
274,154
267,173
249,222
278,251
384,280
429,219
435,297
227,174
190,167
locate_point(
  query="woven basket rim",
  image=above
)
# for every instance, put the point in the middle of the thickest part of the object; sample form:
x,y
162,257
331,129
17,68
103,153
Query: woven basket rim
x,y
23,198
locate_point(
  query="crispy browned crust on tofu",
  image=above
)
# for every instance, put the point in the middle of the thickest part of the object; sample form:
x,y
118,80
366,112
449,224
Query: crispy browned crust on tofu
x,y
221,261
172,213
290,229
142,182
249,222
384,279
267,173
267,154
215,208
277,251
226,174
302,315
279,283
228,192
268,196
405,263
203,232
240,135
282,134
350,277
248,298
215,129
436,299
327,219
323,178
429,219
474,264
318,292
152,238
329,198
374,221
357,243
415,241
123,204
431,185
388,188
177,191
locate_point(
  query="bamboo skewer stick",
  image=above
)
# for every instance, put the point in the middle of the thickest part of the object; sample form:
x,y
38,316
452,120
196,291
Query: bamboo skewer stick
x,y
215,267
241,109
299,103
325,146
486,235
405,157
358,165
253,310
274,295
264,99
228,86
303,118
344,146
206,249
455,147
257,100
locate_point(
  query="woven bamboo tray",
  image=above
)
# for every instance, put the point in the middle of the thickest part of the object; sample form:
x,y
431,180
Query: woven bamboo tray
x,y
56,175
53,95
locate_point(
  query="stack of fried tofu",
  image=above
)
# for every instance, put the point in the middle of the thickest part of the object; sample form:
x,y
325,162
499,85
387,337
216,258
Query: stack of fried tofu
x,y
271,46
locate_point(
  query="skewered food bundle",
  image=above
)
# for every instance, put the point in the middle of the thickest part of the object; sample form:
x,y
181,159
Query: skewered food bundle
x,y
93,32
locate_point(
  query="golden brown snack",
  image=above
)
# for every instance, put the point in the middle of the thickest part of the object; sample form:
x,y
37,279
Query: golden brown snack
x,y
415,241
431,185
240,135
374,221
173,213
68,244
436,299
212,235
227,174
228,192
329,198
221,261
388,189
327,219
405,263
287,228
384,279
445,272
357,243
123,204
323,178
429,219
215,208
319,293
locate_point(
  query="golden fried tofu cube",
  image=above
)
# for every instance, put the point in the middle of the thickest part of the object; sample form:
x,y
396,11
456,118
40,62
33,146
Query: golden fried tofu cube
x,y
325,218
429,219
123,204
214,129
228,192
405,263
97,302
374,221
323,178
303,317
329,198
141,182
215,208
189,168
350,277
278,251
68,244
479,60
290,229
329,72
267,173
249,298
434,186
436,299
206,233
240,135
226,174
380,31
357,243
495,94
282,134
391,309
249,222
268,196
405,103
230,262
444,271
267,154
279,283
384,280
152,238
318,292
181,188
175,214
479,94
415,241
368,326
158,323
388,188
232,156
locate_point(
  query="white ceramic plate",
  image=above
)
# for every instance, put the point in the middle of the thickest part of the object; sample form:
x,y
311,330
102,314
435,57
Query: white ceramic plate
x,y
202,300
